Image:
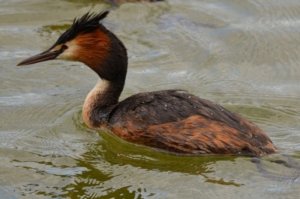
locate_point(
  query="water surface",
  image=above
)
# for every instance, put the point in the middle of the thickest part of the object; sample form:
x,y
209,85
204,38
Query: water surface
x,y
241,54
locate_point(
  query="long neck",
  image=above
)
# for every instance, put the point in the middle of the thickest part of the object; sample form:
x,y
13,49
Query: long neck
x,y
100,101
112,70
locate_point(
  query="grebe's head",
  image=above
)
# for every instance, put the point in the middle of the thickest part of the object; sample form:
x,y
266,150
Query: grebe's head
x,y
87,41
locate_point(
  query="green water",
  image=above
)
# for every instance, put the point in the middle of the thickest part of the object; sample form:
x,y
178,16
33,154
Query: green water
x,y
242,54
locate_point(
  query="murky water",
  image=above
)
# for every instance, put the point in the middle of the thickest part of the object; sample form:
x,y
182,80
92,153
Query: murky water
x,y
243,54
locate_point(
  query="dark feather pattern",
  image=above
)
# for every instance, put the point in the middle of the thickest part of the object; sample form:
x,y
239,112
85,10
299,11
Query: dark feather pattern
x,y
87,23
176,121
172,105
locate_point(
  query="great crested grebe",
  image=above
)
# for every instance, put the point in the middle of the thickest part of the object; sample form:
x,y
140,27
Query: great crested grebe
x,y
171,120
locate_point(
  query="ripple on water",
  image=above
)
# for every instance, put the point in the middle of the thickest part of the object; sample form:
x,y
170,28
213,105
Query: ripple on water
x,y
19,100
241,54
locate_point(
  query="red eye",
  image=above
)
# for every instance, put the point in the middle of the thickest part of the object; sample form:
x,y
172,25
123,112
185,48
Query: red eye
x,y
64,47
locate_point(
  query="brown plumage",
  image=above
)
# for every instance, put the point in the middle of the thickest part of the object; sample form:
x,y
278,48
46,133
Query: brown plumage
x,y
177,121
171,120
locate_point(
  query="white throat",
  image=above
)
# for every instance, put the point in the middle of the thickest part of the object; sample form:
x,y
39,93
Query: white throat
x,y
92,99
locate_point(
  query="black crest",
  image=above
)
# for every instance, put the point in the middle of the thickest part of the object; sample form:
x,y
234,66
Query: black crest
x,y
87,23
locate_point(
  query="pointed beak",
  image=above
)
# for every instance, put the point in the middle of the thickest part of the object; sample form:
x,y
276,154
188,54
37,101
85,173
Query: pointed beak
x,y
44,56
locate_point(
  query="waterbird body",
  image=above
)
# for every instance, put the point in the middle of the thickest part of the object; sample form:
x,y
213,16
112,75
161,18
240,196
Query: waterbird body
x,y
171,120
